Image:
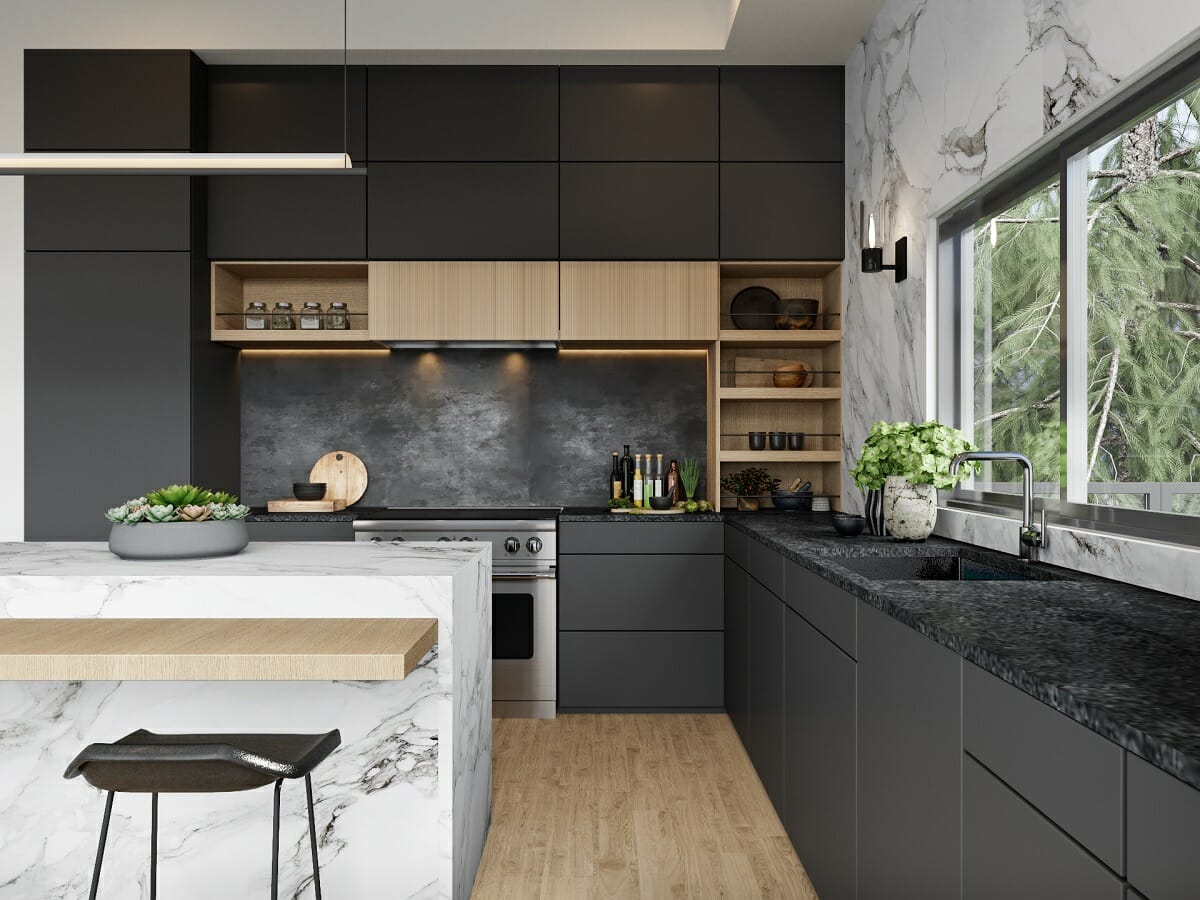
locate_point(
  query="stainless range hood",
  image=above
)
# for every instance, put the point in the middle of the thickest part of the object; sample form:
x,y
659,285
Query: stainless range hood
x,y
471,345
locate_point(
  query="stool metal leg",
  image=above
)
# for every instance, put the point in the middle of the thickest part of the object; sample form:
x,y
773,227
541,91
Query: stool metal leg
x,y
312,837
275,846
153,846
100,849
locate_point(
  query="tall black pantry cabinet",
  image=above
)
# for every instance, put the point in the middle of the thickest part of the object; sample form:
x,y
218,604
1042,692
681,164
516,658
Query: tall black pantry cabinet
x,y
123,389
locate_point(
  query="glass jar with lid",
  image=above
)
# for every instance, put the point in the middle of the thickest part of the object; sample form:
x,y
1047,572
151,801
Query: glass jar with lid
x,y
310,315
256,316
281,317
339,317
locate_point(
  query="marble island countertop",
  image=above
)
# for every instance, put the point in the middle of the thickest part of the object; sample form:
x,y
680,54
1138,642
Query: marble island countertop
x,y
1122,660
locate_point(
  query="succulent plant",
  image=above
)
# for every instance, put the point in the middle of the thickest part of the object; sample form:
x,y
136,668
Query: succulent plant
x,y
179,495
161,513
224,499
117,513
179,503
195,513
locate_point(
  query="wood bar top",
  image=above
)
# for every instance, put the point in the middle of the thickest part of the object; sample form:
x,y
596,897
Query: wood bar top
x,y
213,649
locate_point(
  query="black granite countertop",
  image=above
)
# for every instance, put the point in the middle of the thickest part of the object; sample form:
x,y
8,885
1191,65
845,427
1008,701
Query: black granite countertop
x,y
1121,660
346,515
602,514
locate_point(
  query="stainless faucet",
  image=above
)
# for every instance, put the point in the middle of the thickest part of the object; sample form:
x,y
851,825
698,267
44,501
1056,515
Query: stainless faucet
x,y
1032,536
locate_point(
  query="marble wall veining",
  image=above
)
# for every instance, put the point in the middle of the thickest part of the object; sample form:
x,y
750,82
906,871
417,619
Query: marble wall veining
x,y
939,95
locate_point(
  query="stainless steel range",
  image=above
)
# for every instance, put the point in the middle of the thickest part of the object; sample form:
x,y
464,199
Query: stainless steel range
x,y
524,592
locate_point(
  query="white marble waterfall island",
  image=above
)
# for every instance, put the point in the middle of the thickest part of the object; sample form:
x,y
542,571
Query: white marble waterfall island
x,y
402,806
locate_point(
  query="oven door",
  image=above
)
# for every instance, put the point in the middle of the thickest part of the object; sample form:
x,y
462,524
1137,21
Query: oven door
x,y
524,644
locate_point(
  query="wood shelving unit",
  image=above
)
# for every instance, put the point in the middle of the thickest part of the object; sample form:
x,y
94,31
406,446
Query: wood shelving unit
x,y
743,398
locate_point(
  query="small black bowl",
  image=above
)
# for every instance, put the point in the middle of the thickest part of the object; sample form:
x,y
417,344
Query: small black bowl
x,y
309,490
848,524
661,503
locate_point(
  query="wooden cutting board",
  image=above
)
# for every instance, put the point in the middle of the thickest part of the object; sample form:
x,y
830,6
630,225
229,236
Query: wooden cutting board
x,y
344,475
649,512
288,505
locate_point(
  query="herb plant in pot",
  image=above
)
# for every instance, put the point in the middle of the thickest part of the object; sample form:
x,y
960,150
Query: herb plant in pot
x,y
178,522
902,466
748,486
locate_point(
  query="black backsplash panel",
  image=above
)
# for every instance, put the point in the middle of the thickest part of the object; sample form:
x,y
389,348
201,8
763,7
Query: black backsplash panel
x,y
467,427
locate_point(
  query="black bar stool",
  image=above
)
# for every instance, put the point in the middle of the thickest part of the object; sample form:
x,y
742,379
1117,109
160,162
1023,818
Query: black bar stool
x,y
148,763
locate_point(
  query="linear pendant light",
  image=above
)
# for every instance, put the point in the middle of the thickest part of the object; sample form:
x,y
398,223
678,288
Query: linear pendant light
x,y
187,163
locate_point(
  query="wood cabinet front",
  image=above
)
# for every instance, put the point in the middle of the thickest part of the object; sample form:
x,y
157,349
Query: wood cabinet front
x,y
463,301
639,302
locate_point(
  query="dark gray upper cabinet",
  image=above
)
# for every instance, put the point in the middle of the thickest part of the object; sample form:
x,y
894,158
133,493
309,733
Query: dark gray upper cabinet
x,y
1009,850
782,113
114,100
782,211
82,393
819,748
282,109
1163,822
909,762
108,212
638,113
287,217
764,689
737,645
463,211
462,113
639,210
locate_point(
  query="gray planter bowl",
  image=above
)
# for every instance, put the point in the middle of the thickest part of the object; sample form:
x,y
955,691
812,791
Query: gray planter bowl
x,y
178,540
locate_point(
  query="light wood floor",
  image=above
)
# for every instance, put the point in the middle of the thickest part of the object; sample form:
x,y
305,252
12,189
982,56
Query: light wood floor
x,y
632,806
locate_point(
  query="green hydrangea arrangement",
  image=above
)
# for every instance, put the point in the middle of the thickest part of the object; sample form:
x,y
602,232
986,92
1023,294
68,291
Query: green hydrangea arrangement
x,y
179,503
921,453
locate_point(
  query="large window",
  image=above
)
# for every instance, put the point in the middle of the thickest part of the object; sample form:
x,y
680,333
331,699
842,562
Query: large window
x,y
1092,368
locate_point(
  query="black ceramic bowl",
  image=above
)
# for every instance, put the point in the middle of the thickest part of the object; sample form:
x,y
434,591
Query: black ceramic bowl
x,y
792,501
661,503
309,490
848,524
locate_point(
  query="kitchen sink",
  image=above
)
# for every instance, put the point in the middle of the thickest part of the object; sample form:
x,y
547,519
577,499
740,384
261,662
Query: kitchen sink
x,y
928,568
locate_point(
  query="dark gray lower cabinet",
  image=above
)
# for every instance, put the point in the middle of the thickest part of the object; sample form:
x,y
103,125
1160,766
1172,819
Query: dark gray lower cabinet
x,y
1011,850
819,776
301,531
764,705
640,669
737,645
1163,825
909,759
640,593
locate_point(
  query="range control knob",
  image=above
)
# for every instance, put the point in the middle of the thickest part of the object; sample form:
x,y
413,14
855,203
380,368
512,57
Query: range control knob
x,y
512,545
397,540
466,540
377,540
534,545
443,539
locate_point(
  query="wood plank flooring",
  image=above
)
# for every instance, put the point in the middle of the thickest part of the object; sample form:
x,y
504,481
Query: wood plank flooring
x,y
646,807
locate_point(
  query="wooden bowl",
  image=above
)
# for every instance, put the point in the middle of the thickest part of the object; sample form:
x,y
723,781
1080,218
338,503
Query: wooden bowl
x,y
792,376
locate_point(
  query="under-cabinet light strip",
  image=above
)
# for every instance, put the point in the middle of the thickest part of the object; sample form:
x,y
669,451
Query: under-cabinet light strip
x,y
169,163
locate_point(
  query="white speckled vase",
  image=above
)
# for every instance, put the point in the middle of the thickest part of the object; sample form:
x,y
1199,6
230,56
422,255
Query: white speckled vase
x,y
909,509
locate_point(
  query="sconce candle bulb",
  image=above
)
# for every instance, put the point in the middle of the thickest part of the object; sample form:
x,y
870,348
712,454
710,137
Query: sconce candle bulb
x,y
872,256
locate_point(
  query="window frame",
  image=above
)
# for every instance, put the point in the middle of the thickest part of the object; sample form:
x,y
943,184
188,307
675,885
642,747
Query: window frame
x,y
1061,155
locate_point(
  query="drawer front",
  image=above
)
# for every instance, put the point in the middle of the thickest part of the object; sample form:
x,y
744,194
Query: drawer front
x,y
1010,850
737,546
652,592
1164,820
826,606
766,566
640,670
1069,773
639,537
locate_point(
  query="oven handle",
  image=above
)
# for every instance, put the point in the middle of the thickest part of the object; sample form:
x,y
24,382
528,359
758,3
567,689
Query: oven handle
x,y
524,576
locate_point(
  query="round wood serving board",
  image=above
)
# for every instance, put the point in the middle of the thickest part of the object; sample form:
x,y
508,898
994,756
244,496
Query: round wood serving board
x,y
344,475
648,512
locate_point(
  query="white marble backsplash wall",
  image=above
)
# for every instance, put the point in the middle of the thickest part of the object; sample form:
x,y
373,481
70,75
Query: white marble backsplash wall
x,y
940,94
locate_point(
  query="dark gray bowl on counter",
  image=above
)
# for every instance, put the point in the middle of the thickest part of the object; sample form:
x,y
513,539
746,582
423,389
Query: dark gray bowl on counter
x,y
792,501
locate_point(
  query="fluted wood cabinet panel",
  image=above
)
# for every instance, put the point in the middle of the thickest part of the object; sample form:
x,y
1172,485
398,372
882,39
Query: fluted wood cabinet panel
x,y
478,301
631,302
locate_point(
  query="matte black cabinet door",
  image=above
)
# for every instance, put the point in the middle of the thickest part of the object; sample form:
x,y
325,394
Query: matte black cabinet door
x,y
282,109
108,212
630,538
782,211
765,690
782,113
463,211
819,729
737,643
1164,820
287,217
1010,850
639,669
113,100
639,211
909,761
88,405
463,113
639,113
650,592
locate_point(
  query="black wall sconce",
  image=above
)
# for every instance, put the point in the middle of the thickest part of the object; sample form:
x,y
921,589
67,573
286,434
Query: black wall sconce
x,y
872,256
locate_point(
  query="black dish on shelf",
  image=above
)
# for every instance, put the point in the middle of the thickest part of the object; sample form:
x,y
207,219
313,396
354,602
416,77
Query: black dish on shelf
x,y
848,524
796,313
758,440
309,490
754,307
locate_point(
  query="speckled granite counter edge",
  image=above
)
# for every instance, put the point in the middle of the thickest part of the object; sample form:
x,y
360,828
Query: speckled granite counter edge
x,y
603,515
1151,748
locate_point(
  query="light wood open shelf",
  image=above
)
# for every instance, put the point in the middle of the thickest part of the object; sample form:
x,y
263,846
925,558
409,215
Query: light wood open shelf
x,y
774,393
780,456
815,338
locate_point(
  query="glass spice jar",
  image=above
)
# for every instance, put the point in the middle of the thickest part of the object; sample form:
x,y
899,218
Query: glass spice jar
x,y
339,317
256,316
281,317
310,315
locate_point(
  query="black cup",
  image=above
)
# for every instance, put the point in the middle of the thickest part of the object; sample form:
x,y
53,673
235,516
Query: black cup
x,y
778,440
795,440
758,440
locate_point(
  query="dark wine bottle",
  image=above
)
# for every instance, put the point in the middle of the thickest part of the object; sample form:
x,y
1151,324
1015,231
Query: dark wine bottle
x,y
627,474
615,483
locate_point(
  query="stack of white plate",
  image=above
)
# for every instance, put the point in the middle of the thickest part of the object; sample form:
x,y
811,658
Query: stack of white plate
x,y
820,504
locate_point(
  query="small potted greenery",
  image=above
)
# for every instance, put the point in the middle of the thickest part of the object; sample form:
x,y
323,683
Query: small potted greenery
x,y
178,522
748,486
901,467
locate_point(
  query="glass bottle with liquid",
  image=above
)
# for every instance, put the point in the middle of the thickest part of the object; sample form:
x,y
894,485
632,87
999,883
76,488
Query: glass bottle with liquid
x,y
614,480
638,480
626,473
